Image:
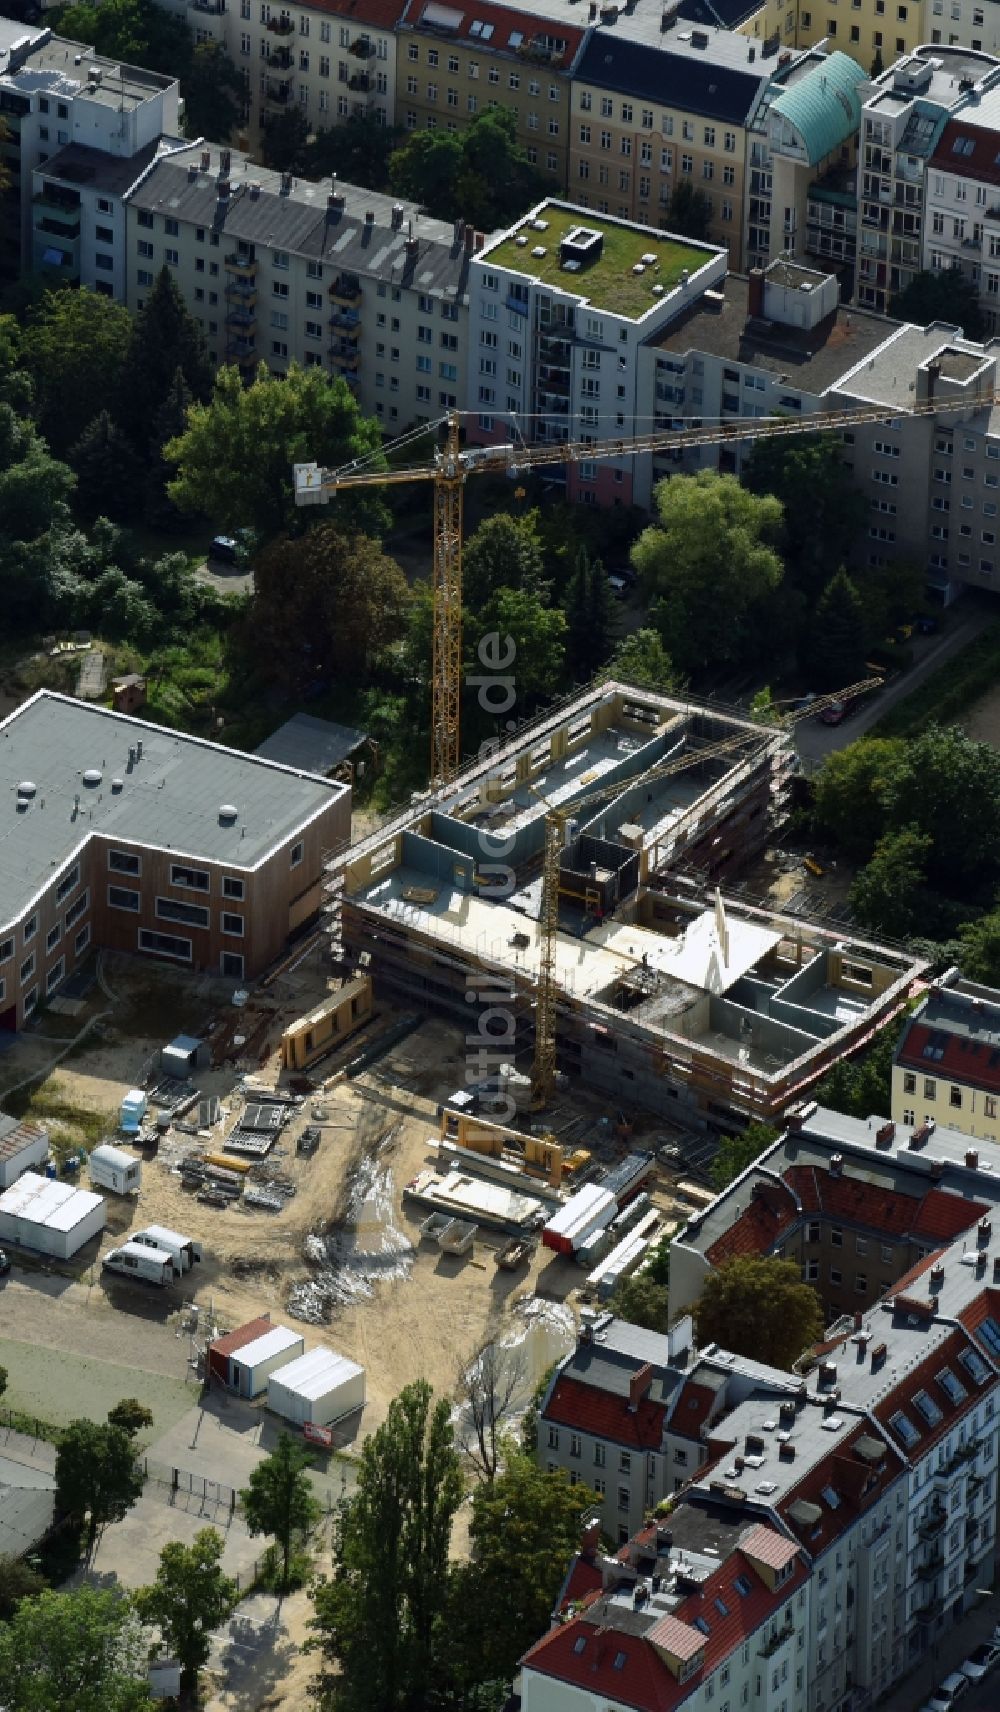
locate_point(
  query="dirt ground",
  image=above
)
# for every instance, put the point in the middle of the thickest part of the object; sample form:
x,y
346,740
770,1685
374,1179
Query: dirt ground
x,y
982,721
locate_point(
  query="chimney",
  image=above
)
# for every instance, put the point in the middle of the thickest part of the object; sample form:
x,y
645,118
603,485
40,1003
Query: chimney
x,y
397,216
369,216
837,1165
753,53
885,1136
859,1319
206,160
590,1534
984,1232
755,292
996,1269
223,188
479,240
225,161
786,1451
638,1386
469,235
937,1279
972,1159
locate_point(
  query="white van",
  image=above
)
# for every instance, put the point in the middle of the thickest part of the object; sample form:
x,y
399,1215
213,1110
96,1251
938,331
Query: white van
x,y
137,1260
185,1252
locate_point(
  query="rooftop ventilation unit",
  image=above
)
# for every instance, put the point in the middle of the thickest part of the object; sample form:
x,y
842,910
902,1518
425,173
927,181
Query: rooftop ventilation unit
x,y
228,813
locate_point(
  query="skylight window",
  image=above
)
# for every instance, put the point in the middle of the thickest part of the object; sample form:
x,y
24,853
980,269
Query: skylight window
x,y
951,1385
742,1586
963,146
831,1497
974,1366
579,1643
619,1663
989,1331
928,1408
904,1429
516,38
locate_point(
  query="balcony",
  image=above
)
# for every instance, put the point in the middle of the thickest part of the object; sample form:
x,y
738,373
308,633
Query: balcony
x,y
241,292
64,226
241,266
278,94
241,350
280,60
345,356
346,290
281,27
240,317
360,82
215,8
930,1612
769,1647
347,323
362,48
932,1524
927,1570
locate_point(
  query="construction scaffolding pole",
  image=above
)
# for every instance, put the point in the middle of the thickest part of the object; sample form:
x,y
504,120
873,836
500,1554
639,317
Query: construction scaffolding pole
x,y
446,660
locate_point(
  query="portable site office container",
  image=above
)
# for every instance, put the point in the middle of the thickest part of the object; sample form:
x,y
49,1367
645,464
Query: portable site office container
x,y
250,1366
319,1388
115,1169
138,1260
184,1251
22,1146
48,1216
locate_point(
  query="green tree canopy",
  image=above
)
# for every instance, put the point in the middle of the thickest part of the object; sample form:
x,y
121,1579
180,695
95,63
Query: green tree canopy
x,y
97,1478
535,632
189,1598
838,634
326,603
590,616
643,1302
641,659
78,1651
886,895
850,793
165,341
823,511
234,459
948,787
132,1416
689,211
279,1499
378,1619
711,562
481,174
980,941
861,1085
525,1527
737,1152
137,31
357,152
74,349
946,296
213,94
505,552
759,1307
109,474
17,1581
286,141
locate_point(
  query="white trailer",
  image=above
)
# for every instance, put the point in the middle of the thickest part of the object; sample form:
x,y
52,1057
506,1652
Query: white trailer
x,y
116,1169
252,1364
319,1388
185,1252
137,1260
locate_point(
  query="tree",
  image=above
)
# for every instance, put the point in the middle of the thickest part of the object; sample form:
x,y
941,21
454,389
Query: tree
x,y
862,1084
357,152
505,552
132,1416
981,949
378,1619
165,340
737,1152
642,1302
885,896
279,1499
168,422
79,1651
136,31
213,94
328,603
525,1527
948,786
589,610
97,1477
642,660
286,140
481,175
945,296
878,66
850,793
487,1392
838,634
234,459
17,1581
689,211
109,474
189,1598
74,349
711,561
759,1307
535,632
823,511
119,606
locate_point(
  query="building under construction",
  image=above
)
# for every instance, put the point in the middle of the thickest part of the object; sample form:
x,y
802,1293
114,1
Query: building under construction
x,y
671,996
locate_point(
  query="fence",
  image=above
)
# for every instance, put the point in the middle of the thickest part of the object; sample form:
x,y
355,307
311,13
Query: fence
x,y
182,1484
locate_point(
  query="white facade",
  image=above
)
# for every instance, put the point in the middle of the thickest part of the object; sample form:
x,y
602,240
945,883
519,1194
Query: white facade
x,y
251,1365
319,1388
50,1217
116,1169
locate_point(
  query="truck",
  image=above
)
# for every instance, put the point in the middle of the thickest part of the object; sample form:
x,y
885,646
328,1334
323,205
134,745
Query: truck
x,y
141,1261
183,1251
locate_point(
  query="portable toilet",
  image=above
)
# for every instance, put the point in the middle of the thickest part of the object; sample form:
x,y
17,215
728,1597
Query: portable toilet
x,y
133,1110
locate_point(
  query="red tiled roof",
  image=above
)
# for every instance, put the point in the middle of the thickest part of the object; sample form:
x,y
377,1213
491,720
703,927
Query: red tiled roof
x,y
917,1272
983,1307
922,1378
770,1548
691,1409
588,1409
583,1578
981,164
973,1062
367,14
643,1680
757,1230
505,23
232,1341
847,1475
944,1216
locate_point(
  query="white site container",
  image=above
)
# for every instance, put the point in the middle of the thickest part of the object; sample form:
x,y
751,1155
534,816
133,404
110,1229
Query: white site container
x,y
319,1388
183,1249
251,1365
50,1217
138,1260
115,1169
22,1147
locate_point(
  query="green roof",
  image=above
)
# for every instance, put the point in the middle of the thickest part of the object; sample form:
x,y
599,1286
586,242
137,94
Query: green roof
x,y
824,107
608,283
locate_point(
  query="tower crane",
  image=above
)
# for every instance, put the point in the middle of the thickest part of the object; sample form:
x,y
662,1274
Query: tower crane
x,y
558,815
452,463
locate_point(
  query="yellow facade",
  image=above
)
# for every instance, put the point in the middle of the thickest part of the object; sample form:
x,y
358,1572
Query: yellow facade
x,y
918,1096
867,30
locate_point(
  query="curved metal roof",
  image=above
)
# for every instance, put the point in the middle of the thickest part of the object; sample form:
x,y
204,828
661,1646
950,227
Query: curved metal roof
x,y
824,107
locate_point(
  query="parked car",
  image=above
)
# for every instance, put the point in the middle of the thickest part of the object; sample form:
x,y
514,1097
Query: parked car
x,y
834,714
980,1661
225,550
619,587
949,1692
4,1263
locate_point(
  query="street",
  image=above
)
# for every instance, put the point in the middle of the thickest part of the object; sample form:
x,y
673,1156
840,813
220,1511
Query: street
x,y
815,741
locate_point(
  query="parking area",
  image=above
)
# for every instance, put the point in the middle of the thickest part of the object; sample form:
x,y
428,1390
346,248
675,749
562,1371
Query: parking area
x,y
945,1656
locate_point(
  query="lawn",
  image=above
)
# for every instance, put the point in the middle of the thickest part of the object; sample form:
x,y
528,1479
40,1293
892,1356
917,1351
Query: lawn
x,y
56,1386
608,283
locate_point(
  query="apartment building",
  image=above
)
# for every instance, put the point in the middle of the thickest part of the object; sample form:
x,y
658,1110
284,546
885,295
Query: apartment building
x,y
962,223
453,63
902,121
280,270
946,1068
652,110
57,95
127,836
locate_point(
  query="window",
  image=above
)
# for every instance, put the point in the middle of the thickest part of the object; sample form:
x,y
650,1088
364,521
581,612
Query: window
x,y
298,852
625,1462
55,975
194,879
553,1438
82,940
574,1444
53,937
6,950
599,1456
123,862
837,1237
233,887
173,909
835,1276
27,969
909,1083
232,964
121,897
232,924
624,1498
165,945
955,1096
